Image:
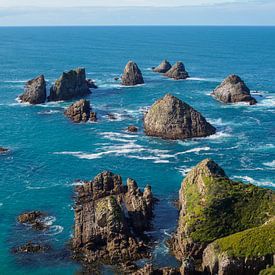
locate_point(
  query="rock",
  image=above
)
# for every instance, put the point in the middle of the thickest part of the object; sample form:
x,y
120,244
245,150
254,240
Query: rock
x,y
177,72
110,220
35,91
132,129
112,116
148,269
80,111
132,75
212,206
233,90
3,150
34,219
70,85
116,78
91,84
246,252
171,118
164,67
31,247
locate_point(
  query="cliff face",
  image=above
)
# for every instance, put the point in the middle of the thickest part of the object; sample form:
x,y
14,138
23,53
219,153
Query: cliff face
x,y
110,220
212,206
171,118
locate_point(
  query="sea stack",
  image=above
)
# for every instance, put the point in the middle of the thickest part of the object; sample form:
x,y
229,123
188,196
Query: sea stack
x,y
164,67
35,91
177,72
110,220
233,90
132,75
171,118
215,217
80,111
70,85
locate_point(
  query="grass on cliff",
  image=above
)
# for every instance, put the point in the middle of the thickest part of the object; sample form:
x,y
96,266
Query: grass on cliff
x,y
225,208
254,242
268,271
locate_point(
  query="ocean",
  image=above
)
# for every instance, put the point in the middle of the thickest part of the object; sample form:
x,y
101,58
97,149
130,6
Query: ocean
x,y
49,153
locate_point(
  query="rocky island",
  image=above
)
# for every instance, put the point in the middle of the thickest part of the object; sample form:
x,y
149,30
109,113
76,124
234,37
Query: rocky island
x,y
110,221
164,67
224,225
171,118
233,90
177,72
80,111
132,75
71,84
35,91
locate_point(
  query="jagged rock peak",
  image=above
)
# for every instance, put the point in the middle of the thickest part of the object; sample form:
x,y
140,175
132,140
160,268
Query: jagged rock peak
x,y
164,67
35,91
177,72
171,118
132,75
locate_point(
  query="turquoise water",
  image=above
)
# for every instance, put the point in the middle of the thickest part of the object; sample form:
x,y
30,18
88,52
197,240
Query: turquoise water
x,y
49,153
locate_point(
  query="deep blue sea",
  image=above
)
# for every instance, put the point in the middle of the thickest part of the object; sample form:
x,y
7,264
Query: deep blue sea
x,y
49,153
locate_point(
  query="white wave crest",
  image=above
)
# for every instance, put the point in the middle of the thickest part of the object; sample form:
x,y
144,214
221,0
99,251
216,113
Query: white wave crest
x,y
248,179
195,150
270,164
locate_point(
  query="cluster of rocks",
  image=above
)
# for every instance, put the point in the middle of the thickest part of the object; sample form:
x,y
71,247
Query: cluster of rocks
x,y
110,220
71,84
31,247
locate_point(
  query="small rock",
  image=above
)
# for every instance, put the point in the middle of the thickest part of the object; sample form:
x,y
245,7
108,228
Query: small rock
x,y
177,72
116,78
164,67
31,247
33,218
3,150
112,116
91,84
132,75
132,129
233,90
35,91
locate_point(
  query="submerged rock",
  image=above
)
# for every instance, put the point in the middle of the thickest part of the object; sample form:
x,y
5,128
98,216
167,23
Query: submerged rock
x,y
164,67
246,252
80,111
171,118
70,85
3,150
34,219
233,90
31,247
212,206
110,220
132,129
35,91
177,72
132,75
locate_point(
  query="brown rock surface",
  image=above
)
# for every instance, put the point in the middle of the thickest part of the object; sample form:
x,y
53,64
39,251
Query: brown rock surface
x,y
132,75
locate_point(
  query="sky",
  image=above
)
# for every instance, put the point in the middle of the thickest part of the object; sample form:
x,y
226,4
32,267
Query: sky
x,y
136,12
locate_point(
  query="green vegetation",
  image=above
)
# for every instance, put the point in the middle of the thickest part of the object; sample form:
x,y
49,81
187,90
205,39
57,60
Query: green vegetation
x,y
224,207
254,242
268,271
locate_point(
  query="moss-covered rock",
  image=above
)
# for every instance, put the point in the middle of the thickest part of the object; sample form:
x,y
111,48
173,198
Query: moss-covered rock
x,y
213,206
246,252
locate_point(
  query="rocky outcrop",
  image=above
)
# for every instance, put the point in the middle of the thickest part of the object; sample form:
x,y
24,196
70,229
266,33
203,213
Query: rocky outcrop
x,y
177,72
233,90
80,111
35,91
171,118
70,85
132,75
31,247
110,220
247,252
164,67
212,206
148,269
34,218
132,129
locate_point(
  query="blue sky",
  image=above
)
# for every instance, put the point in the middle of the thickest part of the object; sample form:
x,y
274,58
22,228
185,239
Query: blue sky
x,y
137,12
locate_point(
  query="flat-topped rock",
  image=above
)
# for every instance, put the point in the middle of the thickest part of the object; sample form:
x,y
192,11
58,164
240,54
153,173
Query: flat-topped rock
x,y
132,75
171,118
233,90
35,91
71,84
164,67
177,72
80,111
111,219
